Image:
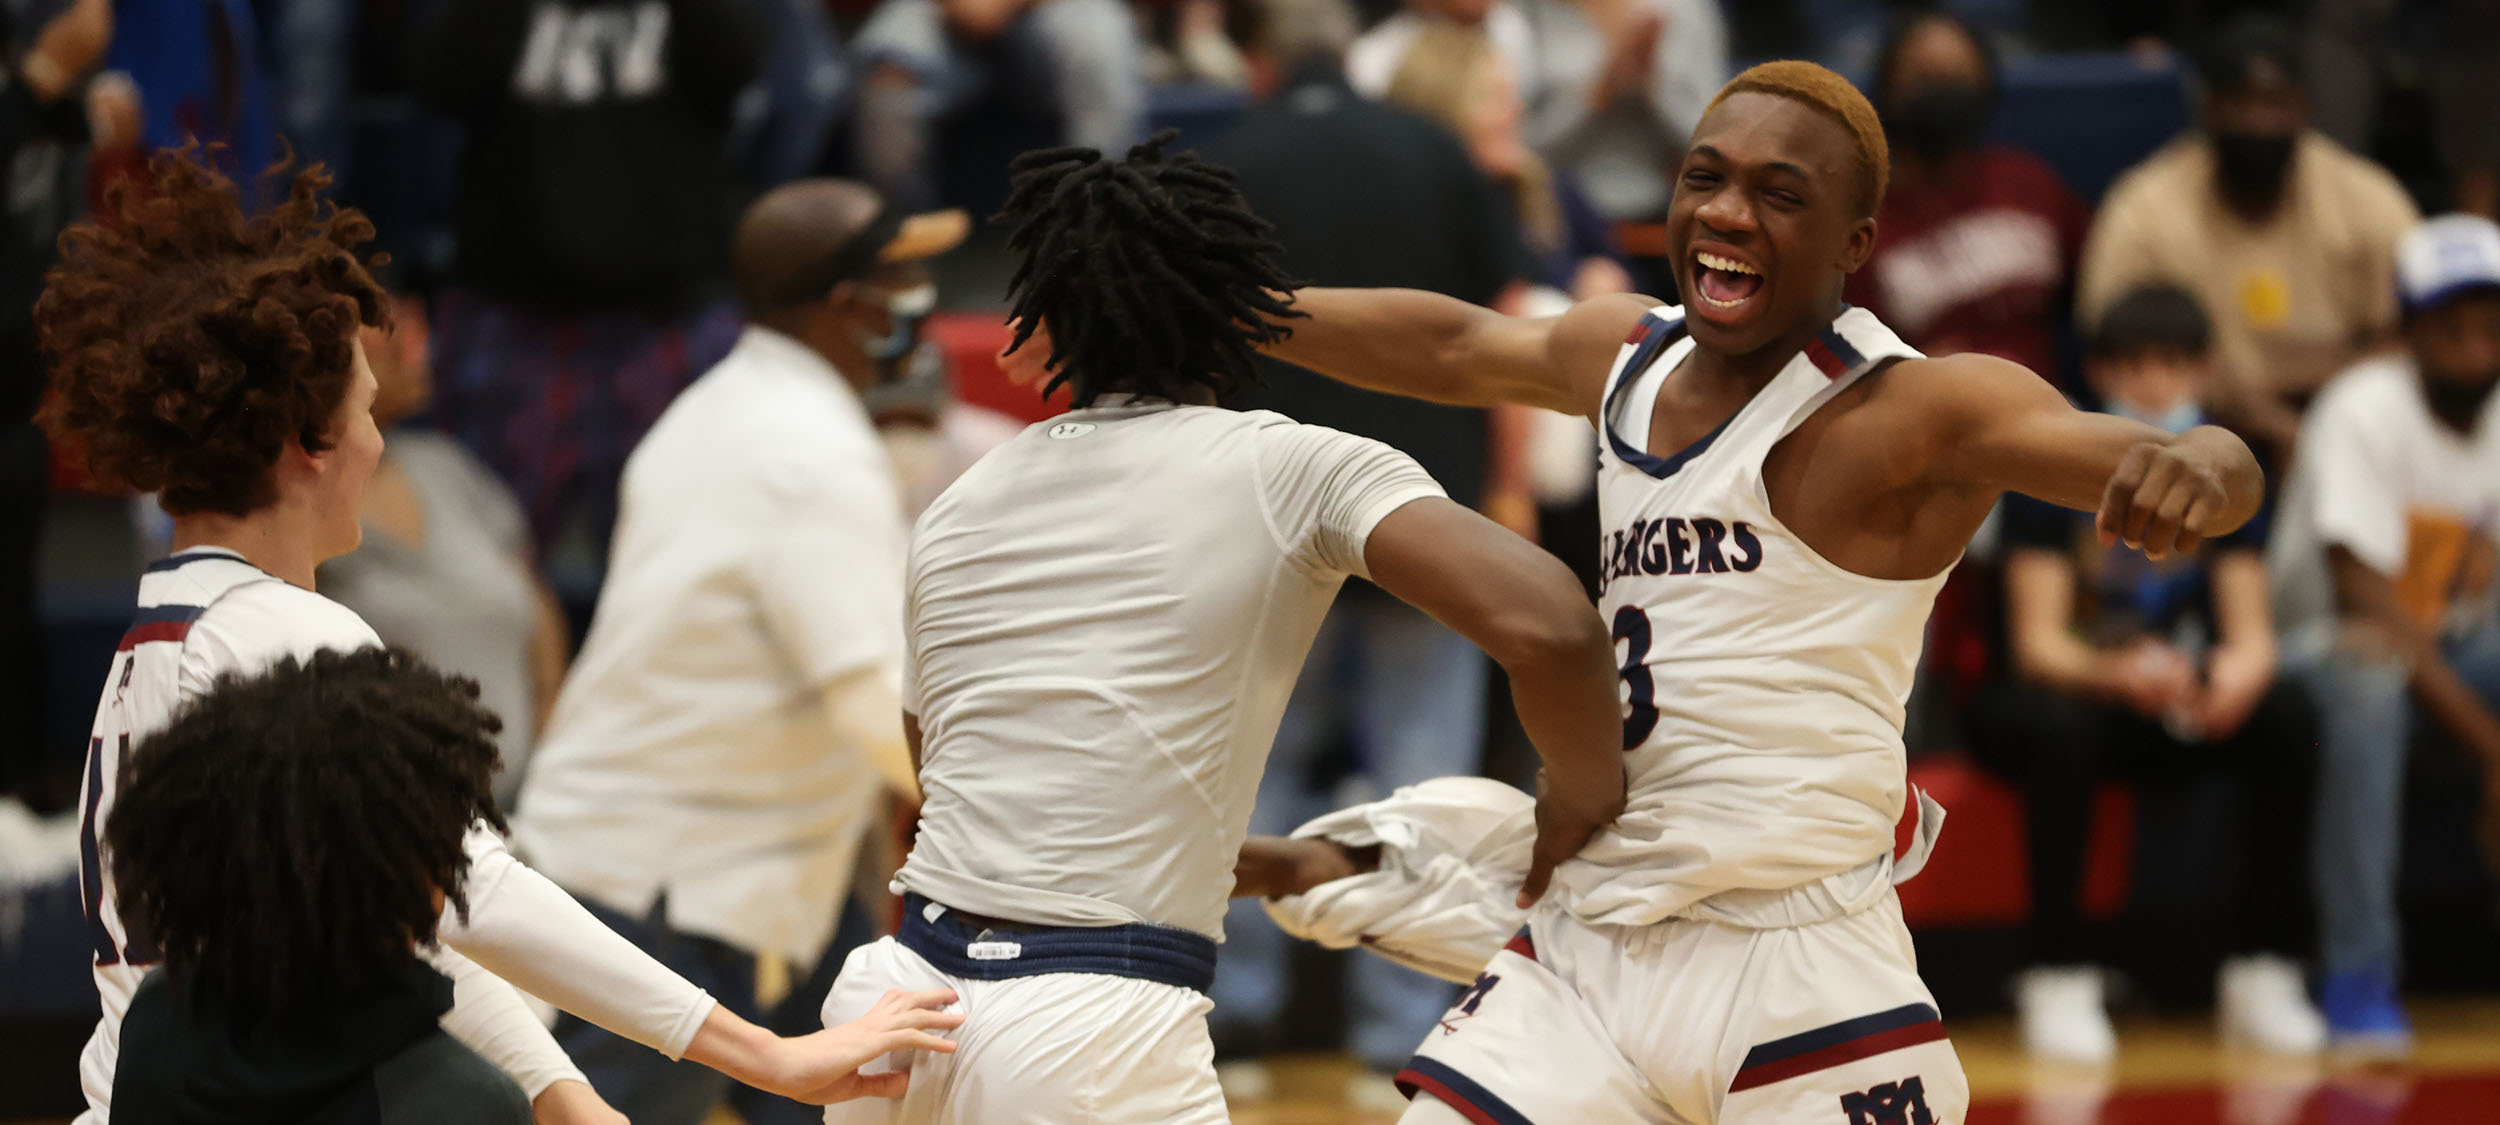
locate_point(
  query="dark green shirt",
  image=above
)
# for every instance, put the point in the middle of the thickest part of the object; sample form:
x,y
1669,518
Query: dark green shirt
x,y
377,1058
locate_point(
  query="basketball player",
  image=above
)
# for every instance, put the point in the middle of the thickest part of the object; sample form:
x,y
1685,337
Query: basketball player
x,y
1106,615
1783,486
213,358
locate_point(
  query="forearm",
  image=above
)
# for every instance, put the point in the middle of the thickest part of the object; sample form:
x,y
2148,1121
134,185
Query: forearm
x,y
865,710
1281,866
1567,701
488,1017
729,1044
525,929
1416,344
550,652
2457,707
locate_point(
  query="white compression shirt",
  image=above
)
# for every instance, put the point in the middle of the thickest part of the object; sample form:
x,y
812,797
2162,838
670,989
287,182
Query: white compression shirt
x,y
1107,615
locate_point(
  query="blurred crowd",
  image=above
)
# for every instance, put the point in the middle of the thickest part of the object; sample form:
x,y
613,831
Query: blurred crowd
x,y
557,182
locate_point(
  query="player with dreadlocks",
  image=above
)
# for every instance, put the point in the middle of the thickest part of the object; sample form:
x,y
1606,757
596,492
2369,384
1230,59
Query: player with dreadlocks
x,y
1783,486
1106,615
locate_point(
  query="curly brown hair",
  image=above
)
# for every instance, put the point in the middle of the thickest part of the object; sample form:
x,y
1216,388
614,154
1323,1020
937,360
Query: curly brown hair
x,y
190,340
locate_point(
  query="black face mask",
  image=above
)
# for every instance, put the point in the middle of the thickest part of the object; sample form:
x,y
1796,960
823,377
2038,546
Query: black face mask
x,y
2252,166
2456,403
1940,120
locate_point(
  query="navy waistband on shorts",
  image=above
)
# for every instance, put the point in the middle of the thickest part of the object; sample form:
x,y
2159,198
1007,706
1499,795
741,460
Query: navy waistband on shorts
x,y
1163,954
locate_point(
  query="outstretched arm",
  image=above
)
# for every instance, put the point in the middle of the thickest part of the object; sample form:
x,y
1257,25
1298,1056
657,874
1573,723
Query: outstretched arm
x,y
1424,345
2000,428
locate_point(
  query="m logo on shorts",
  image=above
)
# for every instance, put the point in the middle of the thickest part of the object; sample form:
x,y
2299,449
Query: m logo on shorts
x,y
1467,1002
1893,1103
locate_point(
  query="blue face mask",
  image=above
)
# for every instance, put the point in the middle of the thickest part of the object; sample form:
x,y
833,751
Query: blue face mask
x,y
906,309
2178,419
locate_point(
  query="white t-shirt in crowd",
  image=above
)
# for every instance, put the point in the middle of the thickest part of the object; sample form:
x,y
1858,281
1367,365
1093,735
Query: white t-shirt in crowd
x,y
2380,476
758,557
1107,615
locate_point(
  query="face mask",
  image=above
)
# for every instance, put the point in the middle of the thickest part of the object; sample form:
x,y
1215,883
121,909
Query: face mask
x,y
2178,419
2252,166
2458,404
906,309
1942,119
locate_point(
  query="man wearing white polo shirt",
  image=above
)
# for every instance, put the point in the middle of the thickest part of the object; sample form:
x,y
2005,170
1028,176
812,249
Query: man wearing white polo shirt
x,y
716,755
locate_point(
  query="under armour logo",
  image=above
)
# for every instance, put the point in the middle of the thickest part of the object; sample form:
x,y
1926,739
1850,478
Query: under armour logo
x,y
1893,1103
1065,430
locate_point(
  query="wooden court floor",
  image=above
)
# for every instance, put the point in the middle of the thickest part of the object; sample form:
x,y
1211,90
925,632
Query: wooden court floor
x,y
2168,1073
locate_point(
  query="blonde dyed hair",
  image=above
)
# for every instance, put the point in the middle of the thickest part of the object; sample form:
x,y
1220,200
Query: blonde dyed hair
x,y
1818,86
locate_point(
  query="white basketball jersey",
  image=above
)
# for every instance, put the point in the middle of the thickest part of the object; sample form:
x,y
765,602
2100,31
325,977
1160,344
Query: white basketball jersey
x,y
1764,686
159,665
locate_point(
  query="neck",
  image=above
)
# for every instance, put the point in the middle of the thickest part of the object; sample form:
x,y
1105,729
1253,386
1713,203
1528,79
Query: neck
x,y
269,539
1755,369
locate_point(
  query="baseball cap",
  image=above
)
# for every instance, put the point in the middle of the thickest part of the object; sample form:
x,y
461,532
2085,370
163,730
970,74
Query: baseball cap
x,y
2446,256
893,235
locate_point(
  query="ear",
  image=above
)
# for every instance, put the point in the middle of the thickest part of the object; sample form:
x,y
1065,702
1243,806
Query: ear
x,y
1858,246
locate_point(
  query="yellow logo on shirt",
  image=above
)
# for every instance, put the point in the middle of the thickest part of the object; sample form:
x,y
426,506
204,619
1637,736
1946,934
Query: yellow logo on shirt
x,y
2265,300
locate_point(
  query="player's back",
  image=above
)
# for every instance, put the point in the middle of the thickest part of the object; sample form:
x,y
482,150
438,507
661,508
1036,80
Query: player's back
x,y
202,614
1107,615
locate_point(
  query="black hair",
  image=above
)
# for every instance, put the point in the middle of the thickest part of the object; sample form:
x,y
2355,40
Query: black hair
x,y
282,838
2247,39
1152,273
2153,317
1887,73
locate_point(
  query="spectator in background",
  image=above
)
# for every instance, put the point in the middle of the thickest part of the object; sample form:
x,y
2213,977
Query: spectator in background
x,y
716,758
1621,83
2348,50
444,568
1373,59
1613,87
1975,244
927,61
2384,564
292,989
1362,194
46,102
593,214
2287,238
2162,672
1453,75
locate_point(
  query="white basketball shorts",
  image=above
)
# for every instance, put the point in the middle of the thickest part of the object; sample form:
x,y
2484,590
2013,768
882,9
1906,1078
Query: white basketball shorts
x,y
1697,1023
1039,1050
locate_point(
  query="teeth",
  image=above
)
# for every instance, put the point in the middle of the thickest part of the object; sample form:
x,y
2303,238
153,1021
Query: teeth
x,y
1730,265
1716,303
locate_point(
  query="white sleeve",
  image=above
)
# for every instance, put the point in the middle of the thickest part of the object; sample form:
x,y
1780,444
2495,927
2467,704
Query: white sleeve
x,y
828,578
488,1017
2357,494
525,929
1325,490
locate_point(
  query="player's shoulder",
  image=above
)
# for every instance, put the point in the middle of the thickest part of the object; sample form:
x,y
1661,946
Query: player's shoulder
x,y
272,615
1951,389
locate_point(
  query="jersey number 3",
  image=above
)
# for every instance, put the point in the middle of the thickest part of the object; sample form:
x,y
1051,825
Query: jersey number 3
x,y
1640,691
